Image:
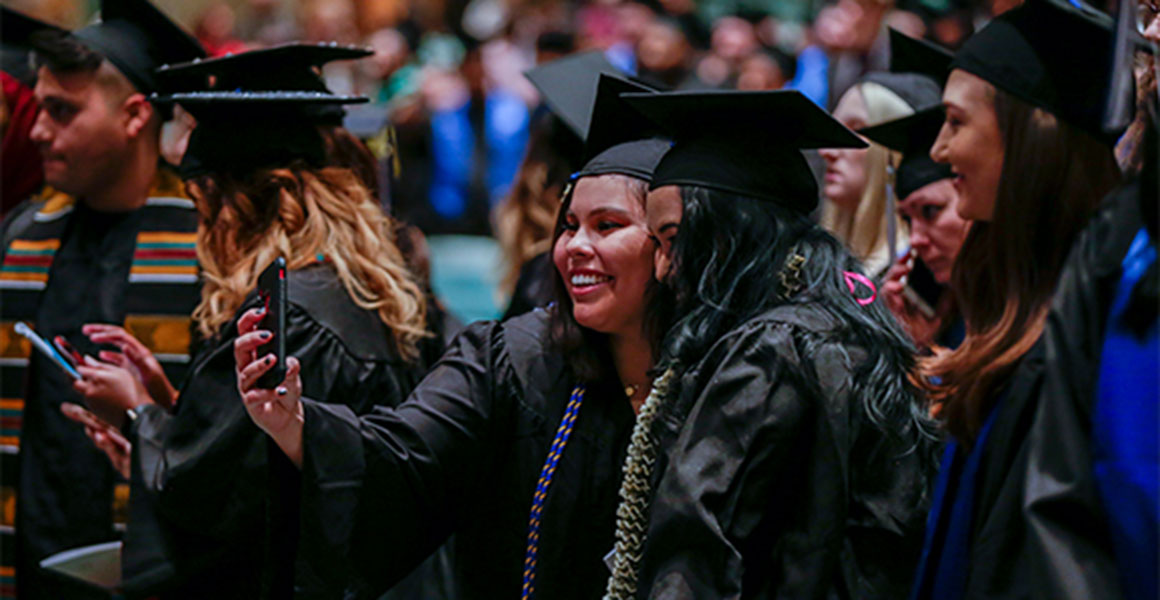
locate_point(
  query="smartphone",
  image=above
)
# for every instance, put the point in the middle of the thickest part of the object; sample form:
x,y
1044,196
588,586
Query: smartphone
x,y
272,292
922,289
52,353
67,351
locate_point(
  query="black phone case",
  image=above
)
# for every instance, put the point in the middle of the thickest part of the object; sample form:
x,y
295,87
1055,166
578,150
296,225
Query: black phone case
x,y
922,281
272,292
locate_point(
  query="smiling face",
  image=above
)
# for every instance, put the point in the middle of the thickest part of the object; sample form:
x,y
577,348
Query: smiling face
x,y
605,254
971,143
846,175
936,229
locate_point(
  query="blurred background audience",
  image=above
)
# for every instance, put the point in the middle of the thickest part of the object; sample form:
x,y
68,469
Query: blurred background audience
x,y
462,134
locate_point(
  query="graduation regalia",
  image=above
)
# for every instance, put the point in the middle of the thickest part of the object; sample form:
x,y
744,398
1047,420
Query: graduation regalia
x,y
469,452
64,265
213,511
463,456
1054,56
771,479
201,475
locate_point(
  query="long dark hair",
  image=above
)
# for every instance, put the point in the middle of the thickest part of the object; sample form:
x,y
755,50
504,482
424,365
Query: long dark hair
x,y
728,268
1054,175
585,350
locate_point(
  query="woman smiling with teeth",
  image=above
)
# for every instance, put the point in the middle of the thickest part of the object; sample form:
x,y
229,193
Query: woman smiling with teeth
x,y
515,440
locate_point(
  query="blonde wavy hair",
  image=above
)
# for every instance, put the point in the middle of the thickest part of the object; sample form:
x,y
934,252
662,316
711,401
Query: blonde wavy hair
x,y
865,230
302,213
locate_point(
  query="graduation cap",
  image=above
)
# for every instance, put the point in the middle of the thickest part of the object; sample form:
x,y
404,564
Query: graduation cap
x,y
745,143
137,38
1050,54
19,34
288,67
258,109
913,136
620,140
20,31
912,55
568,86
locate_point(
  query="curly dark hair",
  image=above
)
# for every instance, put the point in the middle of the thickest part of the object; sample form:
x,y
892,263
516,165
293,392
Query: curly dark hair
x,y
727,269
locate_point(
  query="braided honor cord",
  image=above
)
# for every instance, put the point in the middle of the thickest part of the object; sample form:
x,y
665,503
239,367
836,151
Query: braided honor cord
x,y
563,432
632,514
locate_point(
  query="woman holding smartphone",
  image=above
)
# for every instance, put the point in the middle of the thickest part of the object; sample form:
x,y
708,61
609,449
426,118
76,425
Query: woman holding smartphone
x,y
257,169
514,442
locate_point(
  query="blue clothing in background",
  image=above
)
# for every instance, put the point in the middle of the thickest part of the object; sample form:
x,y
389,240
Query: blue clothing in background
x,y
812,77
1125,451
456,153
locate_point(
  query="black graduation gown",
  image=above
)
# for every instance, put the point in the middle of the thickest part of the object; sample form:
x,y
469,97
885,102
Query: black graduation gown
x,y
200,475
1072,552
463,456
772,483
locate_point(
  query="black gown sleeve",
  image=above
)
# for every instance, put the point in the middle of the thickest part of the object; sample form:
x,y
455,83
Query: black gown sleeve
x,y
730,457
1072,552
200,474
382,491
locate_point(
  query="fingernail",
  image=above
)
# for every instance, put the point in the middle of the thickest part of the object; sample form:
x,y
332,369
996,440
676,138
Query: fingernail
x,y
264,335
269,359
283,391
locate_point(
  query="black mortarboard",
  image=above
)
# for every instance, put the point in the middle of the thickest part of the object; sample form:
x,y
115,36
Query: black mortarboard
x,y
19,34
1050,54
745,143
912,136
137,38
244,123
620,140
568,86
292,67
289,67
912,55
238,132
19,30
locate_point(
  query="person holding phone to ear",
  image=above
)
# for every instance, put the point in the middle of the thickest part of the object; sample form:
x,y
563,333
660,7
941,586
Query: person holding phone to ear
x,y
917,285
210,507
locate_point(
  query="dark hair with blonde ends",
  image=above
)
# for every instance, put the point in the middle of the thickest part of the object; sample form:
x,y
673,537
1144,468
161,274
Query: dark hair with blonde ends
x,y
302,213
1053,177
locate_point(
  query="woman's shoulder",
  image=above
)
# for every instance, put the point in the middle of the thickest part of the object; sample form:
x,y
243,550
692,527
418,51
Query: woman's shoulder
x,y
318,305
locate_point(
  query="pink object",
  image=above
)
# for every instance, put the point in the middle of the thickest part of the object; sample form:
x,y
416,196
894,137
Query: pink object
x,y
852,281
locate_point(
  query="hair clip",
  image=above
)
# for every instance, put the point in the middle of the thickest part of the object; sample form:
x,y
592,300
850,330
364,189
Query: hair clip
x,y
852,281
790,275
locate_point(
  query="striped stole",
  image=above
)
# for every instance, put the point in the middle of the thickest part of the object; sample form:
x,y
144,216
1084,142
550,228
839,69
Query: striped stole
x,y
162,293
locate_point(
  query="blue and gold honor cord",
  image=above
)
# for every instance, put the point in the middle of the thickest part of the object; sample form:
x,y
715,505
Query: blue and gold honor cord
x,y
562,434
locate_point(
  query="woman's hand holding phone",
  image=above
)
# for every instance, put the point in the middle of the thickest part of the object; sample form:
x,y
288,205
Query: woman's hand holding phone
x,y
277,411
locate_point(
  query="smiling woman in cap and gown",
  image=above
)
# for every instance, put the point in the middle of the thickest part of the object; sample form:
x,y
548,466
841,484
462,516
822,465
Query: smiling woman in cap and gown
x,y
789,456
514,442
1024,136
